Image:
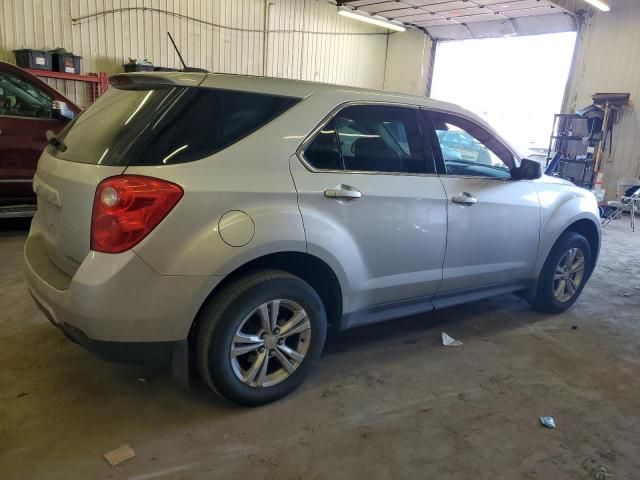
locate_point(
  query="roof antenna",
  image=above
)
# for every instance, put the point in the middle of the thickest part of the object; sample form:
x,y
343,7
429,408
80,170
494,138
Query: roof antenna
x,y
177,51
184,65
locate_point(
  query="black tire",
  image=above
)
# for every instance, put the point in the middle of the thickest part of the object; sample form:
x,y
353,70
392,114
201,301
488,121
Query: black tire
x,y
223,315
545,299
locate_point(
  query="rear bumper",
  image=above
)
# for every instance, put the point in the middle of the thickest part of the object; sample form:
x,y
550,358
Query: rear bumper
x,y
115,304
148,353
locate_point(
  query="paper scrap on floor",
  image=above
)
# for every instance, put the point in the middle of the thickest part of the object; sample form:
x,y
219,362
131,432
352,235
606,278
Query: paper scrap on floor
x,y
448,341
119,455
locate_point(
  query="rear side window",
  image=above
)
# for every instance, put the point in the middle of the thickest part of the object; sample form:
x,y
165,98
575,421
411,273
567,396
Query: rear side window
x,y
163,126
370,138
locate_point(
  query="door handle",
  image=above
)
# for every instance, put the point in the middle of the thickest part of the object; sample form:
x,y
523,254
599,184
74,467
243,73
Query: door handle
x,y
345,192
464,198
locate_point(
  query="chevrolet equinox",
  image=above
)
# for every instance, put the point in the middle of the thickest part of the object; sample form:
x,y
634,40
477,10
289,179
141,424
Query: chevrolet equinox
x,y
228,221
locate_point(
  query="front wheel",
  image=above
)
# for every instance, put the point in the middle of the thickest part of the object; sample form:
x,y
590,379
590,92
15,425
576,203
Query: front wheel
x,y
564,274
259,337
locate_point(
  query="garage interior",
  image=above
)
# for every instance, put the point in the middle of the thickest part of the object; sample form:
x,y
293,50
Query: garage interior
x,y
387,400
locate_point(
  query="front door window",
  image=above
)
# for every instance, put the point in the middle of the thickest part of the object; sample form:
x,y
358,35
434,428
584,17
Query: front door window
x,y
470,150
21,99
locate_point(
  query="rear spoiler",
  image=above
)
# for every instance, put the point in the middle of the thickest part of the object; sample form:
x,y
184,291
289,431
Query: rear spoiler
x,y
134,81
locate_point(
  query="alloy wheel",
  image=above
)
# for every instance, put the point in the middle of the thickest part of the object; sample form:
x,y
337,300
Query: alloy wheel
x,y
568,275
270,343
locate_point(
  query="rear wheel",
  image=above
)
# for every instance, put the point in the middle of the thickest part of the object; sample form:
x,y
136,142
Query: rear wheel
x,y
564,274
258,338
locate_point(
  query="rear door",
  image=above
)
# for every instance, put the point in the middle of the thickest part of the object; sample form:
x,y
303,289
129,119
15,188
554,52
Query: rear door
x,y
493,220
370,200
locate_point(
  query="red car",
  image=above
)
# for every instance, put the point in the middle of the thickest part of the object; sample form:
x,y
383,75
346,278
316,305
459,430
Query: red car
x,y
28,108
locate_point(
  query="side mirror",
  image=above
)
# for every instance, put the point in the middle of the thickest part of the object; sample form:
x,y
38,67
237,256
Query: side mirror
x,y
528,170
60,110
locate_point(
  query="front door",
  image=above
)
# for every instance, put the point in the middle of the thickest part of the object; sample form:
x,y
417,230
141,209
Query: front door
x,y
372,205
493,220
25,116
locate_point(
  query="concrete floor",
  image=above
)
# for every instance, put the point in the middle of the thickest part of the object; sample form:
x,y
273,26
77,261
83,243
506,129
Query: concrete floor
x,y
387,401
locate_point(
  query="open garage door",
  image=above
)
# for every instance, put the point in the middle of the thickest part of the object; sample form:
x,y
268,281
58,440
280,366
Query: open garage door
x,y
516,84
467,19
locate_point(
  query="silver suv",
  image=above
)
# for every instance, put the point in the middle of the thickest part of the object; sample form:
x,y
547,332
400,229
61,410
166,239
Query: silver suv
x,y
227,222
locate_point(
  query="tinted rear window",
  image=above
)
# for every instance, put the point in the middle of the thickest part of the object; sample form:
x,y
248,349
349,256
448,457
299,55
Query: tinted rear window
x,y
165,126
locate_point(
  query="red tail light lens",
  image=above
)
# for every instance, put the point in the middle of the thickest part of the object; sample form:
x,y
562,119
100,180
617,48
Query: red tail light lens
x,y
126,208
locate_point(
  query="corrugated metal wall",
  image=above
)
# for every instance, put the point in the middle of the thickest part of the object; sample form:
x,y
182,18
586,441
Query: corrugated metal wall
x,y
607,59
305,39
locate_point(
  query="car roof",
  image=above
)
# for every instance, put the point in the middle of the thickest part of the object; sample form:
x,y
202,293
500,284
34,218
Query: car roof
x,y
281,86
337,94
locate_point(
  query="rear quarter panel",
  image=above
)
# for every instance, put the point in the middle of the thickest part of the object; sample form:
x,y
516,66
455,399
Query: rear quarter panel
x,y
188,241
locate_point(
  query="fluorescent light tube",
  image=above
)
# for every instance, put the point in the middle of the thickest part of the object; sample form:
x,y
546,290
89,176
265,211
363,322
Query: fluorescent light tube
x,y
599,4
372,19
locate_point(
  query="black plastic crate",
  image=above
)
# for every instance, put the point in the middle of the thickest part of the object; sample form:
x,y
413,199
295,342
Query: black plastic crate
x,y
137,67
66,62
164,69
27,58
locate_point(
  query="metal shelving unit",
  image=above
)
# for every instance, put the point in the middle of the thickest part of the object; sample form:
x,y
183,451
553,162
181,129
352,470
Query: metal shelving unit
x,y
97,83
576,141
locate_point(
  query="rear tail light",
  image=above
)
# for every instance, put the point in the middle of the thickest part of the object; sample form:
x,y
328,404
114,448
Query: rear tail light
x,y
127,208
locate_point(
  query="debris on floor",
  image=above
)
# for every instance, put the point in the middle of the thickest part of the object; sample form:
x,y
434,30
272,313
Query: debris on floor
x,y
142,380
448,341
574,327
548,422
119,455
596,469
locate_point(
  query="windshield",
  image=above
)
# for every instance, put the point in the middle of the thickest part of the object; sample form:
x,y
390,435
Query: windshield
x,y
167,125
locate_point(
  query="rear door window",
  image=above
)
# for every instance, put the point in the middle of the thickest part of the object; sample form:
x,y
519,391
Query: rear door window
x,y
370,138
168,125
380,139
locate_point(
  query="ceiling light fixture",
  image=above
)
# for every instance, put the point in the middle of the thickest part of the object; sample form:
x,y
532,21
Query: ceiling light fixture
x,y
372,19
600,4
